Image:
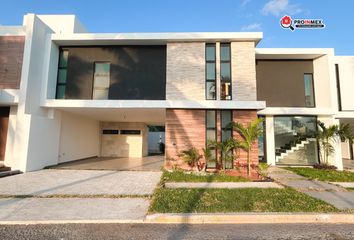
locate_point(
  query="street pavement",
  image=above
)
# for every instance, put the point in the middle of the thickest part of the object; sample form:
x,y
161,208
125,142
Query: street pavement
x,y
172,231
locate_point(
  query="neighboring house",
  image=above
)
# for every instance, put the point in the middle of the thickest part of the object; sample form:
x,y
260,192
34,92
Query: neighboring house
x,y
67,94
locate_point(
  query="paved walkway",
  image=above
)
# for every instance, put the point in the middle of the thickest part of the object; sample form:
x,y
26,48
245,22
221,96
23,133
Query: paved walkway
x,y
80,182
332,194
222,185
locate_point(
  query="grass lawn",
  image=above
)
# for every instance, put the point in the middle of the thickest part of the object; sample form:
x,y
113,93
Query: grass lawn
x,y
180,176
324,175
235,200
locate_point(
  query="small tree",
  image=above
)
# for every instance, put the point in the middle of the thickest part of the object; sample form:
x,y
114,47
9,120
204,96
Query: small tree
x,y
249,135
327,136
225,148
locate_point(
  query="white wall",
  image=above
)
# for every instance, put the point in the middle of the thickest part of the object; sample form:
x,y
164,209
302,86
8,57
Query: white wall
x,y
346,76
336,157
79,138
322,82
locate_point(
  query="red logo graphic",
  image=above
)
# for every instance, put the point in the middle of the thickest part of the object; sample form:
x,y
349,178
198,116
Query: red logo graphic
x,y
286,22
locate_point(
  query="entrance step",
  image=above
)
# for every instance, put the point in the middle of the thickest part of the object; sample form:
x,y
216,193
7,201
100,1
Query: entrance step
x,y
9,173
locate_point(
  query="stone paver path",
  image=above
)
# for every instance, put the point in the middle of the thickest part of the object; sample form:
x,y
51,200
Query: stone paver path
x,y
80,182
332,194
222,185
344,184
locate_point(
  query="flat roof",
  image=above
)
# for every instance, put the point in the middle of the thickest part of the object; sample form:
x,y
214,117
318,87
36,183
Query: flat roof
x,y
153,38
291,53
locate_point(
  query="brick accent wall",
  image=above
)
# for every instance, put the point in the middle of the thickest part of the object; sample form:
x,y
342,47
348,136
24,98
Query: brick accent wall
x,y
244,117
11,54
243,71
184,129
185,78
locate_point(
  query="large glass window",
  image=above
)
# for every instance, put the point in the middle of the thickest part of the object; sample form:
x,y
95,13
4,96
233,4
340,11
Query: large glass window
x,y
309,90
295,141
225,72
211,135
62,73
210,84
101,81
262,142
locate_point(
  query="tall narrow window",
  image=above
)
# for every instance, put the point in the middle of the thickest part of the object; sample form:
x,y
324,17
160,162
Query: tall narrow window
x,y
226,129
226,133
309,90
225,71
101,81
210,83
62,73
211,136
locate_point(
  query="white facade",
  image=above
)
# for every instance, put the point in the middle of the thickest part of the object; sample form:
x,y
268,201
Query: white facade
x,y
45,131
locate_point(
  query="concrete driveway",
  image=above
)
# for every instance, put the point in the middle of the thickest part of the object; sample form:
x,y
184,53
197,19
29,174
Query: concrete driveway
x,y
76,194
80,182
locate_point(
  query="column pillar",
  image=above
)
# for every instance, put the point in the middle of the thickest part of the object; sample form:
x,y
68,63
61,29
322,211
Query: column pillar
x,y
270,144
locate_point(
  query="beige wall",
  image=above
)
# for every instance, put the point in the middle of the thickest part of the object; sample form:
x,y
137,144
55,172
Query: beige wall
x,y
281,83
323,87
243,72
185,78
346,76
118,145
79,138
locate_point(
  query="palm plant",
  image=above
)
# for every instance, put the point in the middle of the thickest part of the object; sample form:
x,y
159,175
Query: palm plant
x,y
249,135
326,136
191,156
226,147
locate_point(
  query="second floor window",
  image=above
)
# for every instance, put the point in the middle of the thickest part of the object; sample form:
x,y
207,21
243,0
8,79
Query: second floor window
x,y
101,81
62,73
225,72
210,83
309,90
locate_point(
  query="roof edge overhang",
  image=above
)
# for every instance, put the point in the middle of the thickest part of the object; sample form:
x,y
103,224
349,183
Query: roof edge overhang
x,y
153,38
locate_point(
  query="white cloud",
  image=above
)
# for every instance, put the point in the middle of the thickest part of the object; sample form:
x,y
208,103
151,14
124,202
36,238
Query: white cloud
x,y
244,2
280,7
252,27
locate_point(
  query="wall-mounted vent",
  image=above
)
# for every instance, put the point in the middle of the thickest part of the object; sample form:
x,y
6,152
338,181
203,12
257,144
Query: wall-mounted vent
x,y
110,131
130,132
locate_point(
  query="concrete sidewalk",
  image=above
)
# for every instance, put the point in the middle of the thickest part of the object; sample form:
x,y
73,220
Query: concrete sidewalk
x,y
332,194
72,209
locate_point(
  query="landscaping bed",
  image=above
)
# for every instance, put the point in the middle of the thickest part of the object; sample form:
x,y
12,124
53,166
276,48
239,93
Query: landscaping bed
x,y
323,174
183,176
235,200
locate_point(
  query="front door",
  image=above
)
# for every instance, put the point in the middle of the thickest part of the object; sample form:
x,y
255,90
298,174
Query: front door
x,y
4,122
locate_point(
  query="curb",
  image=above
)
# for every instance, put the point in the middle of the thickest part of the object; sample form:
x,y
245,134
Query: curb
x,y
249,218
217,218
97,221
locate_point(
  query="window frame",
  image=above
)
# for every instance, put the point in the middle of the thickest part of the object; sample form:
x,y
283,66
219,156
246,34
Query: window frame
x,y
58,70
313,90
229,62
93,80
206,72
216,135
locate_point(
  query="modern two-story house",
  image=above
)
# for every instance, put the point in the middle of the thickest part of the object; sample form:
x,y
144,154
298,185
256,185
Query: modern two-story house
x,y
67,94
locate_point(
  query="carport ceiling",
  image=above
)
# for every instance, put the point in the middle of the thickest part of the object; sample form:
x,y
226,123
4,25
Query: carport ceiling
x,y
149,116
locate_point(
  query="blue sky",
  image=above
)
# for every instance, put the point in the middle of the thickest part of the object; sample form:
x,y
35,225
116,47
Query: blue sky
x,y
204,15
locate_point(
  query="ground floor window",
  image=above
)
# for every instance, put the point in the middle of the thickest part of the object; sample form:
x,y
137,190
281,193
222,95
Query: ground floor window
x,y
211,136
262,142
294,138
